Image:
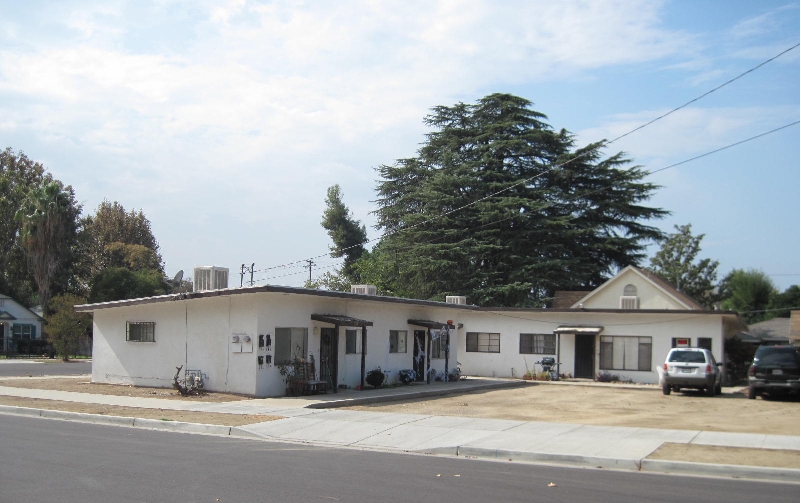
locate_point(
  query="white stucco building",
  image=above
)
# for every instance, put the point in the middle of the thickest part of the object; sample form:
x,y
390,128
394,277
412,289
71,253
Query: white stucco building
x,y
237,336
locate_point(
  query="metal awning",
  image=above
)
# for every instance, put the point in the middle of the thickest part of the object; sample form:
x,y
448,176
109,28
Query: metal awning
x,y
436,325
6,316
340,320
579,329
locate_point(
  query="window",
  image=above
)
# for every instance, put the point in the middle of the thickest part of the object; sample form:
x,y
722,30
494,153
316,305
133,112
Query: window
x,y
438,345
352,341
290,344
140,331
24,331
630,291
537,344
479,342
705,342
397,341
625,353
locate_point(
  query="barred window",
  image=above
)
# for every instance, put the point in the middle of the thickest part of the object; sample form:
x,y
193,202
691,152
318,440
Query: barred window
x,y
625,353
140,331
480,342
537,344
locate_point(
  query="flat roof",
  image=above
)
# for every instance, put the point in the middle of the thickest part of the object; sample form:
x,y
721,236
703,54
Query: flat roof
x,y
378,298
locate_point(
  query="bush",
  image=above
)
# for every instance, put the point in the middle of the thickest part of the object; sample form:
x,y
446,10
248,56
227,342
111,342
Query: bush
x,y
375,377
406,376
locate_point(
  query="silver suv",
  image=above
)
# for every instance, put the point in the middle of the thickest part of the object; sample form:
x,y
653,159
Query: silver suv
x,y
691,368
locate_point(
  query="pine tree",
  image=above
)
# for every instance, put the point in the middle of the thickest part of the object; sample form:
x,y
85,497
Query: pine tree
x,y
481,210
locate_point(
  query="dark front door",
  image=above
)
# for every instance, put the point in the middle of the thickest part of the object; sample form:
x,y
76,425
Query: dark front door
x,y
419,364
328,356
585,356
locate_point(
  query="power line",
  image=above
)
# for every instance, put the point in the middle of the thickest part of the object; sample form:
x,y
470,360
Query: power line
x,y
559,165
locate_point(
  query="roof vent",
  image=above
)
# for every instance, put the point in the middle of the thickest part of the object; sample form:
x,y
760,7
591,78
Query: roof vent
x,y
456,299
364,289
210,278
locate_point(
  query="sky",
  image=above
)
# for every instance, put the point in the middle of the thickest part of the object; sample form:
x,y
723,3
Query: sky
x,y
226,122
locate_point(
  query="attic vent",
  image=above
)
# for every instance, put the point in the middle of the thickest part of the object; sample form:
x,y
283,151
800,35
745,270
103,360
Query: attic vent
x,y
629,302
364,289
456,299
210,278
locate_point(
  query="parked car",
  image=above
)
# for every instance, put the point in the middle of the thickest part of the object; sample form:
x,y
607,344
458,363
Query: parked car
x,y
691,368
774,371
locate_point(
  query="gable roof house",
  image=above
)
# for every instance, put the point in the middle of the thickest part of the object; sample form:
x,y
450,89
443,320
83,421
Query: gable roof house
x,y
625,327
17,324
237,337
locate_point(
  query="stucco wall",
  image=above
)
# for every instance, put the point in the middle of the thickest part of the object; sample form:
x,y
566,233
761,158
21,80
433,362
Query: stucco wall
x,y
650,297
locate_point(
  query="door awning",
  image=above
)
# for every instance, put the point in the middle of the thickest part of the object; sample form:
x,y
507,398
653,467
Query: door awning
x,y
579,329
340,320
6,316
436,325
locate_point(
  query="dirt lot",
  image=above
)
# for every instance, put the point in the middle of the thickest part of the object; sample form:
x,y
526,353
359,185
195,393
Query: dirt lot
x,y
611,406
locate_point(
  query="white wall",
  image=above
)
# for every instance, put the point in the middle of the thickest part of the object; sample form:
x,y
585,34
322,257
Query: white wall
x,y
650,297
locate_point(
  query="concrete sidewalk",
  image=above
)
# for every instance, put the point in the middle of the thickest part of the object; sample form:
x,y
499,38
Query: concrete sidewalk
x,y
315,420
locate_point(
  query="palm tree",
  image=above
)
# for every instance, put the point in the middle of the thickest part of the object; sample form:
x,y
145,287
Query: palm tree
x,y
47,217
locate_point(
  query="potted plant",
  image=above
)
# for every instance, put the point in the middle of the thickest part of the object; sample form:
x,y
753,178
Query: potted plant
x,y
406,376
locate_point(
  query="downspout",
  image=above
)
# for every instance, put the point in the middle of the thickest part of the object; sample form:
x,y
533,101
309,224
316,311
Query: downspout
x,y
364,346
428,356
447,350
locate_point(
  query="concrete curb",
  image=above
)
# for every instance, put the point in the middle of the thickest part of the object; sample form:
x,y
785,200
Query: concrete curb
x,y
644,465
725,471
351,401
552,458
130,422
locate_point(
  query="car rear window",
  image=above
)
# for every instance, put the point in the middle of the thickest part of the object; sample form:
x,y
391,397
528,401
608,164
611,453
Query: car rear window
x,y
687,357
775,356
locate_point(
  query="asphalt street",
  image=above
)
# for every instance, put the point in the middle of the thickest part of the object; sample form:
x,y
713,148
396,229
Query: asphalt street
x,y
49,460
24,368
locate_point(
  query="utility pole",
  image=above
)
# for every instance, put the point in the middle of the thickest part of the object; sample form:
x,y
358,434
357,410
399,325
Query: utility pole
x,y
310,263
243,270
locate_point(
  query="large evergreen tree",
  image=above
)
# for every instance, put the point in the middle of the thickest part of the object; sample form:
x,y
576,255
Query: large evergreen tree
x,y
675,262
486,210
348,234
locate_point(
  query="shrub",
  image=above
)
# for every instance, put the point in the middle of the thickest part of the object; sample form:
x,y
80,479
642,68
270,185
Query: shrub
x,y
375,377
406,376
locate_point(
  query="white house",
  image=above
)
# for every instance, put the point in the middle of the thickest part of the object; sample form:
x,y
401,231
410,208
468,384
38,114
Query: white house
x,y
236,337
625,327
17,324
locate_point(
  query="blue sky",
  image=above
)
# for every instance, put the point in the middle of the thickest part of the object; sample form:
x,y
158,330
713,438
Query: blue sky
x,y
225,122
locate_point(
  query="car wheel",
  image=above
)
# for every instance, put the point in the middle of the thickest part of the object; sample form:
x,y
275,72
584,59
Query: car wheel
x,y
710,390
751,393
665,389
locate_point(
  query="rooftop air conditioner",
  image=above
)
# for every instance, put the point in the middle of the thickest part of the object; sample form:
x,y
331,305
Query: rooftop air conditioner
x,y
210,278
456,299
364,289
